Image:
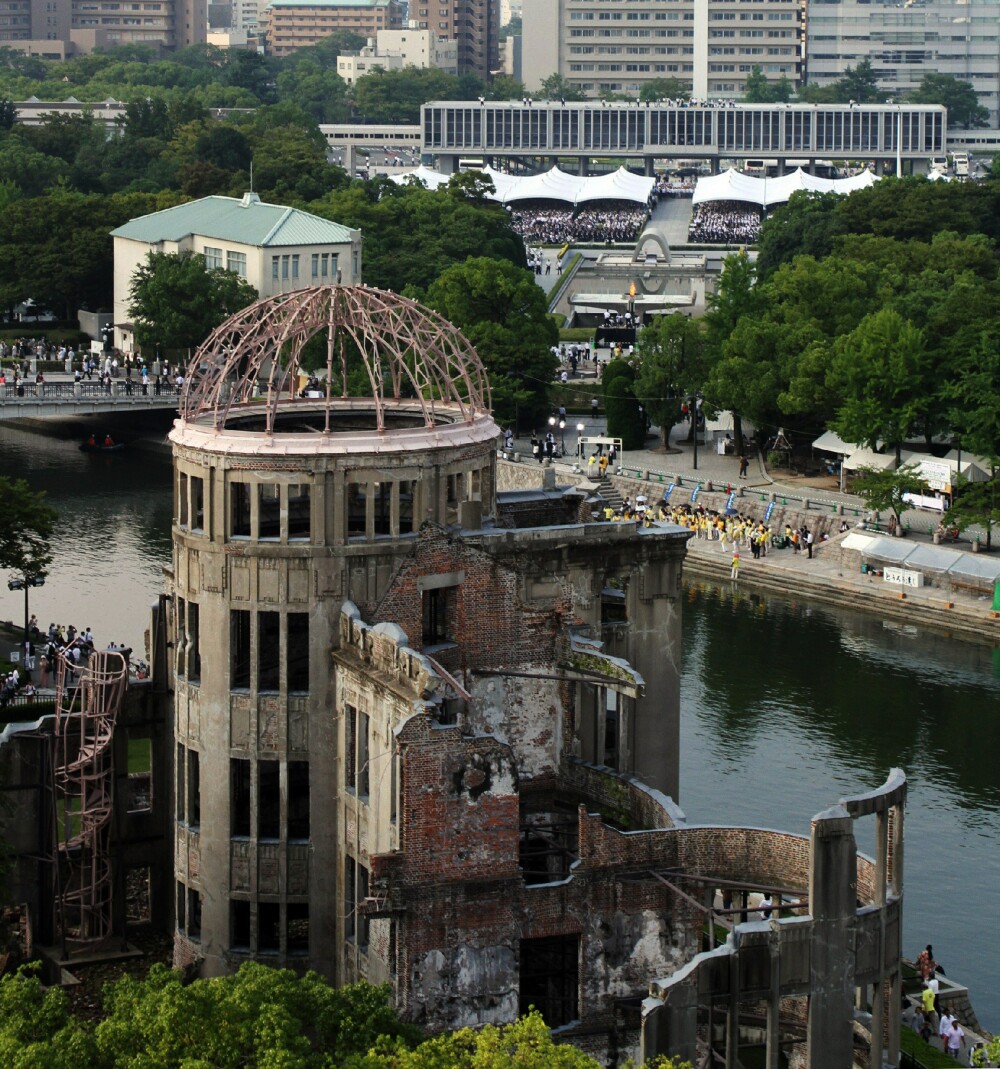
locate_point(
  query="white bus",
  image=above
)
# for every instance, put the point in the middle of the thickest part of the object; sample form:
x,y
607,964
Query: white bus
x,y
961,162
468,163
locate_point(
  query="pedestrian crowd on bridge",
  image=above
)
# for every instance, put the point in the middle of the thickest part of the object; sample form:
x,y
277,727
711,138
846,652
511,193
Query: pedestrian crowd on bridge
x,y
725,223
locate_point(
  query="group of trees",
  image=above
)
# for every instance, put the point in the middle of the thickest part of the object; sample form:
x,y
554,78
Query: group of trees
x,y
873,315
260,1017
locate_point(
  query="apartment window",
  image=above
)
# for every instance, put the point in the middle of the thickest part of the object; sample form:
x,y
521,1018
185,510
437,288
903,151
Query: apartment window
x,y
297,654
236,262
213,259
268,800
239,798
239,649
268,651
298,800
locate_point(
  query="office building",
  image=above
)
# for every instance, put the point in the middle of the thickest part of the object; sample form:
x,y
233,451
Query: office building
x,y
294,24
610,46
903,42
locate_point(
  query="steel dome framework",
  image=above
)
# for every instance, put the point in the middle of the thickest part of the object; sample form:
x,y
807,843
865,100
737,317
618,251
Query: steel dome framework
x,y
410,354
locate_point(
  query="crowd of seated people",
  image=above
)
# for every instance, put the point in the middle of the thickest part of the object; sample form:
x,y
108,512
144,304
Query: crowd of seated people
x,y
596,222
725,223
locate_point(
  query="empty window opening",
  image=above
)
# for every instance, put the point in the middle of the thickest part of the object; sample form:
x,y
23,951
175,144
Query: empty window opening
x,y
180,899
194,789
299,511
436,605
239,923
298,800
239,797
194,913
297,656
407,492
268,800
179,769
239,649
612,729
181,636
550,978
138,892
355,893
182,500
297,935
268,651
140,775
357,509
383,508
197,504
268,926
193,643
269,511
239,510
548,845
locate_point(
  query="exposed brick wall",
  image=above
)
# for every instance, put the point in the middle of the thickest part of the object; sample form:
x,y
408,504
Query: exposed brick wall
x,y
491,624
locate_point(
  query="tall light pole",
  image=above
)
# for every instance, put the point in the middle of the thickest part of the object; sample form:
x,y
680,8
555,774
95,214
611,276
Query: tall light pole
x,y
25,583
695,403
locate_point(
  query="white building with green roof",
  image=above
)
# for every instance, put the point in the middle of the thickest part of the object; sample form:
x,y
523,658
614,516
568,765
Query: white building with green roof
x,y
275,248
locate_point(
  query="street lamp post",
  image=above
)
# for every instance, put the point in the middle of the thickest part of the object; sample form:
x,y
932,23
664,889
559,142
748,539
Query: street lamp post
x,y
25,583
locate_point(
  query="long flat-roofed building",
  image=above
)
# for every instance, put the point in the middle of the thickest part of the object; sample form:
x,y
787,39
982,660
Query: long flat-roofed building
x,y
294,24
616,46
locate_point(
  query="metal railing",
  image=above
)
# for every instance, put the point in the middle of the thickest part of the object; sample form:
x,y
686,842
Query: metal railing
x,y
69,392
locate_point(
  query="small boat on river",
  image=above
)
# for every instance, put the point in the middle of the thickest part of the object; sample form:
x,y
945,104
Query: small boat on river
x,y
101,447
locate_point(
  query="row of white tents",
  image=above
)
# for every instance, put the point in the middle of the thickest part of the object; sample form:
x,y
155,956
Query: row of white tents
x,y
940,473
734,185
554,184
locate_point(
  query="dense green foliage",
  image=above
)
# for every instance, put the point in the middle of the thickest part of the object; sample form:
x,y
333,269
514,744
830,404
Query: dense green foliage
x,y
26,523
177,302
260,1018
670,366
626,419
503,312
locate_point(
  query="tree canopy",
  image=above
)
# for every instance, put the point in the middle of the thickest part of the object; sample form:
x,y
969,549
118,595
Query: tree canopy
x,y
504,313
957,96
26,524
670,366
259,1018
177,301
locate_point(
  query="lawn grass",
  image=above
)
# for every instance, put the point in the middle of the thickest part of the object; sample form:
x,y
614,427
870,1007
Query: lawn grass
x,y
923,1054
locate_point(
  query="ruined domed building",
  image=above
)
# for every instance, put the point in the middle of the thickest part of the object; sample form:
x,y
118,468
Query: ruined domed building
x,y
424,730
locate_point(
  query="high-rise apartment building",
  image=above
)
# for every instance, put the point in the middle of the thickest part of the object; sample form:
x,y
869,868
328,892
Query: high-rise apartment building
x,y
903,42
60,29
474,24
615,46
295,24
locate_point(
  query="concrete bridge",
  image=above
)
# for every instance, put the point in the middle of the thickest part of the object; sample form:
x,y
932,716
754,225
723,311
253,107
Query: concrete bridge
x,y
52,400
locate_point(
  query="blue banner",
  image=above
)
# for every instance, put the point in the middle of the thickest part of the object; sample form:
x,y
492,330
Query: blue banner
x,y
731,500
694,493
768,511
669,491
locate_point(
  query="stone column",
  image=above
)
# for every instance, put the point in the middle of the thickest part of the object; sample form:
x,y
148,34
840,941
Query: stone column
x,y
832,903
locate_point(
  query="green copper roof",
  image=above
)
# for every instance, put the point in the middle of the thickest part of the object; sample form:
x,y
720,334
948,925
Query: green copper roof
x,y
246,222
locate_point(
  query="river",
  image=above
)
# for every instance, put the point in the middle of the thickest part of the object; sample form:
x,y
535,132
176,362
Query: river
x,y
786,705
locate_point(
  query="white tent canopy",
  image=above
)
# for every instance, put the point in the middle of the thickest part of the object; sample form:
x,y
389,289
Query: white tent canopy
x,y
733,185
553,184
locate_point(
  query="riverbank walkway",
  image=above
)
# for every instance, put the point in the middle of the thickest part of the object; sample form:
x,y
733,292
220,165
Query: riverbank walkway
x,y
59,396
825,577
